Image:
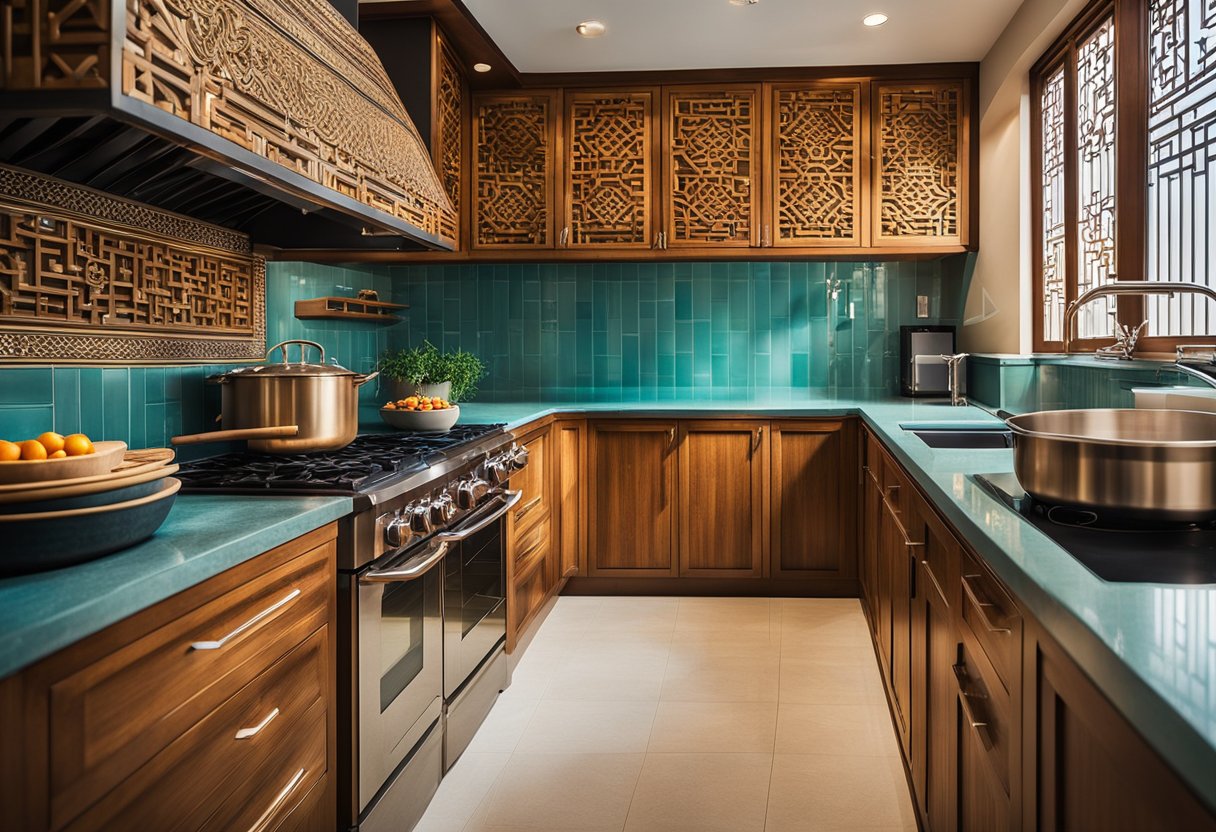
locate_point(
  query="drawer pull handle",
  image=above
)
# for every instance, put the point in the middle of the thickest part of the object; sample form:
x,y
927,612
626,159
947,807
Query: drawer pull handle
x,y
263,822
965,699
246,733
982,606
528,506
248,625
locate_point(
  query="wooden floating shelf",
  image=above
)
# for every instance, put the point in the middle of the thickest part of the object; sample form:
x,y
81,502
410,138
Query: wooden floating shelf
x,y
348,309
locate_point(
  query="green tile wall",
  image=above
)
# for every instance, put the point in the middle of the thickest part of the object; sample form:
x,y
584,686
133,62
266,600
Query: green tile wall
x,y
642,331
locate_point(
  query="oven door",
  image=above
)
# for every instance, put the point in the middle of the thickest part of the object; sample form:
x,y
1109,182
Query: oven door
x,y
400,659
474,590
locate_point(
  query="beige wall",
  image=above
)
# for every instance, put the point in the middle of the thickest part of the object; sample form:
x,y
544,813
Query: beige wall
x,y
1001,322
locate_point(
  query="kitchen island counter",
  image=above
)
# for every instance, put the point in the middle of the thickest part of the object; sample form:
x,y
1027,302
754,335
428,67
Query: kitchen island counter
x,y
1151,648
203,536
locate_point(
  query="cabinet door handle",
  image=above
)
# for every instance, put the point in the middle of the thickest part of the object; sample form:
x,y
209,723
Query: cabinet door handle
x,y
759,436
528,506
248,625
982,606
564,238
766,240
966,697
246,733
263,823
671,438
663,240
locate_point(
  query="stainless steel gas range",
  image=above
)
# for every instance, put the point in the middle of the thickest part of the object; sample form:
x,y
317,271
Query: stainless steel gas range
x,y
421,600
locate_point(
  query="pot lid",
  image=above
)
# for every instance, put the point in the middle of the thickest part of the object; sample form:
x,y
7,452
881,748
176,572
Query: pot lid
x,y
284,368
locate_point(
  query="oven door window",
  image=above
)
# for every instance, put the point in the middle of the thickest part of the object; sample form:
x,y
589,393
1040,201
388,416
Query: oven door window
x,y
402,648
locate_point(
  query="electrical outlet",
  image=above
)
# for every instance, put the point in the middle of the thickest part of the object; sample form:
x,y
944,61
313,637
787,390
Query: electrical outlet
x,y
922,306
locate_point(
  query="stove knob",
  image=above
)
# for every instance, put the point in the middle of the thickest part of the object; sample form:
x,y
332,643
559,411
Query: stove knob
x,y
420,518
470,492
497,470
397,532
442,509
518,457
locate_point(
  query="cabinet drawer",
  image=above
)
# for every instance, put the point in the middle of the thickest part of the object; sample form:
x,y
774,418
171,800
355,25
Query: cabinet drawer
x,y
533,481
530,545
990,614
113,716
245,766
984,710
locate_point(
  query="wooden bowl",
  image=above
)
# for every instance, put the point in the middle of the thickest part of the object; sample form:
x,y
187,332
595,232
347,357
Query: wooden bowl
x,y
106,457
423,421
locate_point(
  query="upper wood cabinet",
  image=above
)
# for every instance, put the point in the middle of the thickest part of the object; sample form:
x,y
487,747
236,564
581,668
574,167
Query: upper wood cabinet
x,y
448,115
631,478
921,182
514,168
817,165
610,172
723,498
711,165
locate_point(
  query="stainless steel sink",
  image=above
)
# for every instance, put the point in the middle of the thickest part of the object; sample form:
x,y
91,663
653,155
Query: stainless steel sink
x,y
975,438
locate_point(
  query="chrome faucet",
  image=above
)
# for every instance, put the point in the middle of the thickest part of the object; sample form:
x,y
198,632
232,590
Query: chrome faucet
x,y
1126,287
953,363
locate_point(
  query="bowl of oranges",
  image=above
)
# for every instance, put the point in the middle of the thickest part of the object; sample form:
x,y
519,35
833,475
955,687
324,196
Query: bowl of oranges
x,y
53,456
428,414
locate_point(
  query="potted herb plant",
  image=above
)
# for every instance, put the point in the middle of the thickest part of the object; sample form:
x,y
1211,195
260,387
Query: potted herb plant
x,y
426,371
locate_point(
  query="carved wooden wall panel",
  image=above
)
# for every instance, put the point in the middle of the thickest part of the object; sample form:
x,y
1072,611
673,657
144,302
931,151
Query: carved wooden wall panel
x,y
609,168
447,137
712,165
76,287
54,44
920,181
513,170
816,165
291,81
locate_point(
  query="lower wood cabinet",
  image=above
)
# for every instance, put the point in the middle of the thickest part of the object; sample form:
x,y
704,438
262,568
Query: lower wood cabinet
x,y
571,495
631,482
133,728
722,498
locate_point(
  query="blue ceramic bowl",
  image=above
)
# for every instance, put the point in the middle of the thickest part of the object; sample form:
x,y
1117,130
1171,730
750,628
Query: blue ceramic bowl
x,y
121,494
35,544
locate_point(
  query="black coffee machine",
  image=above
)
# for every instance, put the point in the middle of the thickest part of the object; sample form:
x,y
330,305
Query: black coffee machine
x,y
922,372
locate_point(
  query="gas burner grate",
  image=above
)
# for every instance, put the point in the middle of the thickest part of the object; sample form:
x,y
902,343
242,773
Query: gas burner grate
x,y
370,460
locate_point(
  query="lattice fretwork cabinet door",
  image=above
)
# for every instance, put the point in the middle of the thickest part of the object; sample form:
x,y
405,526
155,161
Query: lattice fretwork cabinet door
x,y
610,169
514,171
921,163
816,166
711,166
449,100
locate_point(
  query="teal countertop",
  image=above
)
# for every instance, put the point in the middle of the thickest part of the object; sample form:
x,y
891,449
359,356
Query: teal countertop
x,y
202,537
1151,648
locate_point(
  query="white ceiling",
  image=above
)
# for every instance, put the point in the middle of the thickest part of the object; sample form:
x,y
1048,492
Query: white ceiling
x,y
539,36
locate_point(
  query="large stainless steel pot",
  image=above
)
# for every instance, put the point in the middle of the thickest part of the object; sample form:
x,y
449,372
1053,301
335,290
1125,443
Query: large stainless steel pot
x,y
281,407
1145,464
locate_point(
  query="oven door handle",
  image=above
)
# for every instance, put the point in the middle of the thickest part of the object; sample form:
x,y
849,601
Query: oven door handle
x,y
512,497
415,567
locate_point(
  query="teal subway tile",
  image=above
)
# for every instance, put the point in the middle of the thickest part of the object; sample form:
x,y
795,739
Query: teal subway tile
x,y
684,301
19,422
683,376
117,401
67,401
800,370
92,402
683,336
27,386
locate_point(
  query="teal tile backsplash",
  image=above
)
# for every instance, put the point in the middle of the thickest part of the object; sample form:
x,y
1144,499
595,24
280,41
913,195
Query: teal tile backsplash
x,y
604,331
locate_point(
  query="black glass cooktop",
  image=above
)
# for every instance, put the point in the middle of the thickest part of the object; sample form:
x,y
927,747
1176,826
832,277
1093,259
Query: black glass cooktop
x,y
371,460
1113,548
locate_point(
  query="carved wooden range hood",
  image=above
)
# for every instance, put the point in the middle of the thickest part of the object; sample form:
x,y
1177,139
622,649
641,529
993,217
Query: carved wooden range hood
x,y
272,117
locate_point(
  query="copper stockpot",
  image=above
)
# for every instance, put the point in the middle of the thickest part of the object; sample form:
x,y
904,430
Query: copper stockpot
x,y
282,408
1143,464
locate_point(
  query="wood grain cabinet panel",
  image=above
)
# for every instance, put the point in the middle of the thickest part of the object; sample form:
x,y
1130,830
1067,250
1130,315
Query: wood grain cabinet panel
x,y
610,178
711,165
514,170
814,498
723,500
816,166
921,180
535,481
631,480
449,104
571,498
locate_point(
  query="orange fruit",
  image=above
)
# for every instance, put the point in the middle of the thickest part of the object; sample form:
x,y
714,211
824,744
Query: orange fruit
x,y
51,441
77,445
9,451
59,454
32,449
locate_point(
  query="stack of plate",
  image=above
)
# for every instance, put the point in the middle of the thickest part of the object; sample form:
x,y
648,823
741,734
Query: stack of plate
x,y
53,514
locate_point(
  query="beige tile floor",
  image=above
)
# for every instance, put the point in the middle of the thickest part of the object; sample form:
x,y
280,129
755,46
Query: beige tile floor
x,y
685,715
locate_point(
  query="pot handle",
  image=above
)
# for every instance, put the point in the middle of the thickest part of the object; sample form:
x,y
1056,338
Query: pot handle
x,y
362,380
282,345
237,433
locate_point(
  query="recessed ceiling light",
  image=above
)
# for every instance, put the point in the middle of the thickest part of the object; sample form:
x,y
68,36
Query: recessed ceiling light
x,y
874,19
482,67
590,28
744,2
